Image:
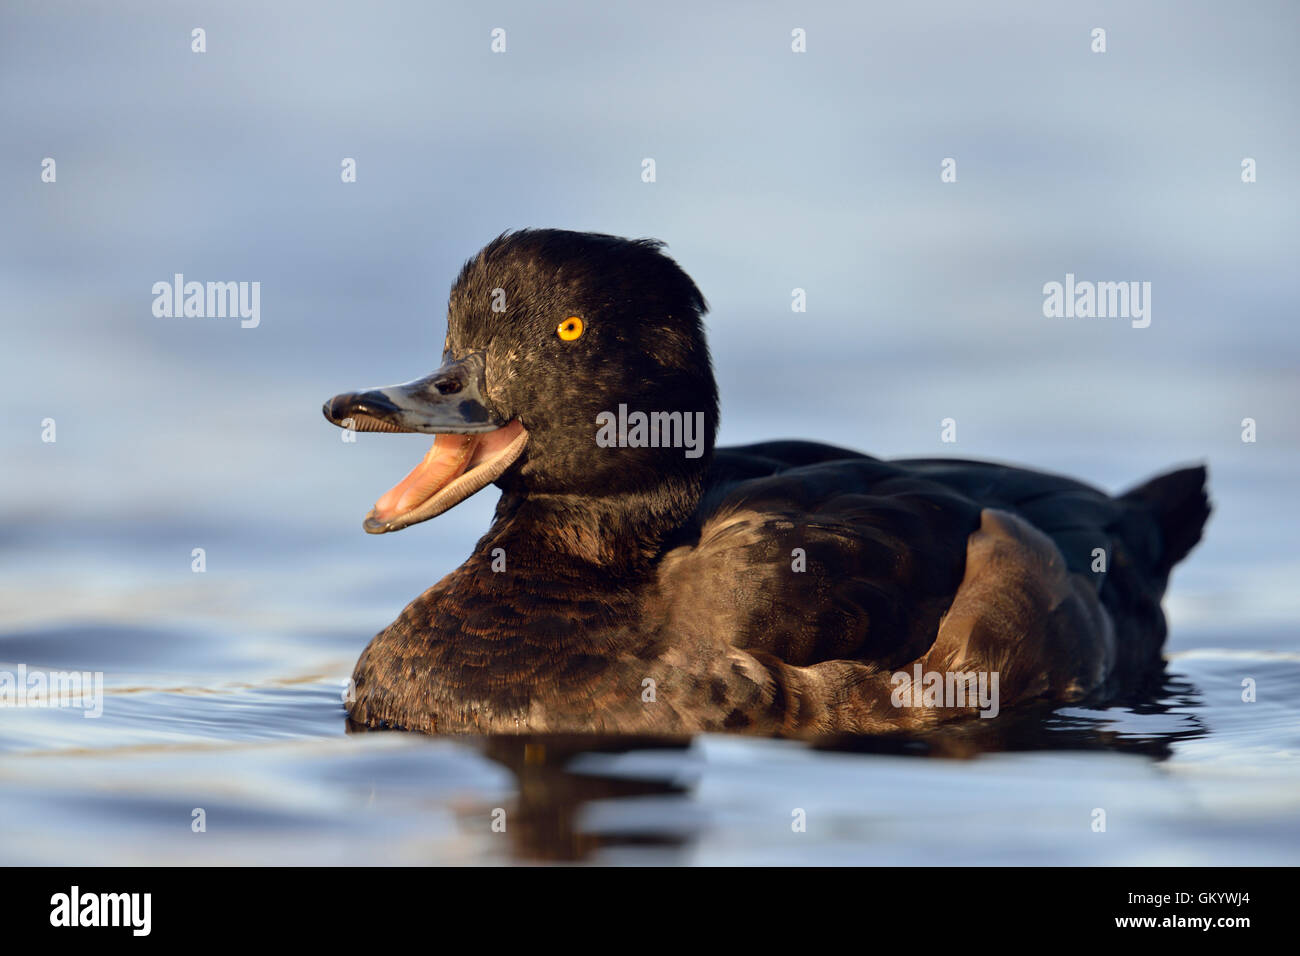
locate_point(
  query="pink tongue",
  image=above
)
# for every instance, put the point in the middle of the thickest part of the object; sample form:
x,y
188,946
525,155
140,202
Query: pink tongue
x,y
491,443
445,462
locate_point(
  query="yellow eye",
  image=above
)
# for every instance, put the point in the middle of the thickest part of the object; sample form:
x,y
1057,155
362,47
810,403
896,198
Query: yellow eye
x,y
570,328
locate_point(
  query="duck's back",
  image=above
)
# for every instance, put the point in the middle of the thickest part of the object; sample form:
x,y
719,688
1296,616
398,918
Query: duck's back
x,y
807,554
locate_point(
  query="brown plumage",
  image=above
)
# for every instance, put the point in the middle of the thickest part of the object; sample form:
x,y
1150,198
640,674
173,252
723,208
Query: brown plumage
x,y
778,588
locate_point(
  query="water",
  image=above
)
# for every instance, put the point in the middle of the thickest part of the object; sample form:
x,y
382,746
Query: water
x,y
246,723
222,689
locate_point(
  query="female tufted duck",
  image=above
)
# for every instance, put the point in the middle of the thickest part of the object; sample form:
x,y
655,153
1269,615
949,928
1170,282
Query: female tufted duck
x,y
790,588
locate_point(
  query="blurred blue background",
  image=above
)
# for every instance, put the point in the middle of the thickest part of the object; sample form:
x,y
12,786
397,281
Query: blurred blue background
x,y
775,170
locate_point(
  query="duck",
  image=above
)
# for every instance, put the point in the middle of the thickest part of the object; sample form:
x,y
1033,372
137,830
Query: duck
x,y
637,580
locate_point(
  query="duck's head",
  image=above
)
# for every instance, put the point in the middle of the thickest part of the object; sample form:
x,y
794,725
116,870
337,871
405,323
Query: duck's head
x,y
549,332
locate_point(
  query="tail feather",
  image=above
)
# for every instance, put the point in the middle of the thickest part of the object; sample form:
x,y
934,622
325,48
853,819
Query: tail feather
x,y
1178,503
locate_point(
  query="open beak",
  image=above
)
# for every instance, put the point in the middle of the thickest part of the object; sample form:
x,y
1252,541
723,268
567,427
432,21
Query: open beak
x,y
472,448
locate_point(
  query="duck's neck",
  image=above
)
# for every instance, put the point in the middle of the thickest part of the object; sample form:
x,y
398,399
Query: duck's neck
x,y
617,537
554,579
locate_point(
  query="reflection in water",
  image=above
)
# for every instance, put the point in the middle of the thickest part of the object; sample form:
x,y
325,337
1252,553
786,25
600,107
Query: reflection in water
x,y
1193,773
544,824
1051,727
556,782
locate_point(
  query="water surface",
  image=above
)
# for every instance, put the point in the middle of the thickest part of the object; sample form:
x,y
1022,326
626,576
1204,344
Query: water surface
x,y
248,725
